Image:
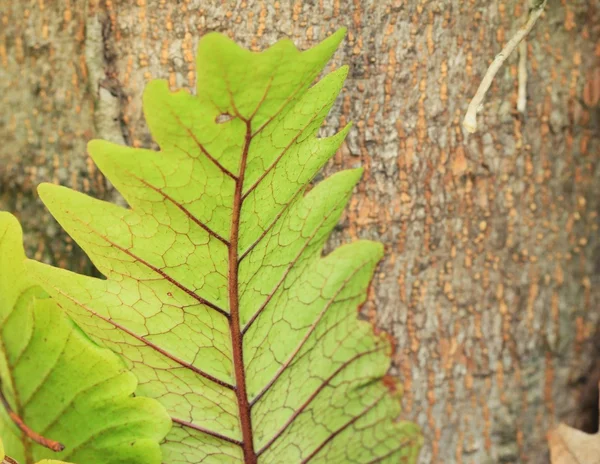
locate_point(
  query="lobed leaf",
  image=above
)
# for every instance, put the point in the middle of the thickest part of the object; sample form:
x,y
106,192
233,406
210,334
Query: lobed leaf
x,y
217,294
60,383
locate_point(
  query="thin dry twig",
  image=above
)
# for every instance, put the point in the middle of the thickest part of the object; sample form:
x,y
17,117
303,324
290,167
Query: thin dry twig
x,y
522,97
470,121
522,73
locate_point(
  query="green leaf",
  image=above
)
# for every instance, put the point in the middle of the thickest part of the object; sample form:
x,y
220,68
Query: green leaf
x,y
216,291
60,383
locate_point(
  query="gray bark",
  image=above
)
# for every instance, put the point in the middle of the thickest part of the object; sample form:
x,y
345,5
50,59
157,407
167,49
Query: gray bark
x,y
490,281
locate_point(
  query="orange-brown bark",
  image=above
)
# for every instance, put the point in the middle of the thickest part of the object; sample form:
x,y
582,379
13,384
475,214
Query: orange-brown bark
x,y
490,281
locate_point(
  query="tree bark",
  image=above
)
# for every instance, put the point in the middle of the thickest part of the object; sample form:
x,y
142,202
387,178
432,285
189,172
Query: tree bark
x,y
491,275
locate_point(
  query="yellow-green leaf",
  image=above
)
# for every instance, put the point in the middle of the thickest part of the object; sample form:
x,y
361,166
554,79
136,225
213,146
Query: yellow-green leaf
x,y
217,293
60,383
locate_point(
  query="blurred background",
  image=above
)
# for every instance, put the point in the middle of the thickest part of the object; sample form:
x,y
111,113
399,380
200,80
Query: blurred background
x,y
490,284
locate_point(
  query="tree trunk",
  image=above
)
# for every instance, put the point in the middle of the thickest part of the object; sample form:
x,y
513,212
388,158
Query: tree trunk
x,y
491,275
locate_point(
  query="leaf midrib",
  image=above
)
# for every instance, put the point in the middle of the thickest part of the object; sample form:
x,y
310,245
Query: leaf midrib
x,y
244,406
250,456
237,332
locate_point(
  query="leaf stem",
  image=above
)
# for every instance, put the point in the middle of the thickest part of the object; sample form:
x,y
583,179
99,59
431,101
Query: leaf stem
x,y
36,437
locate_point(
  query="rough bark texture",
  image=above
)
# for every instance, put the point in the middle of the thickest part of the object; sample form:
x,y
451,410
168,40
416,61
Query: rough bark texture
x,y
490,281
